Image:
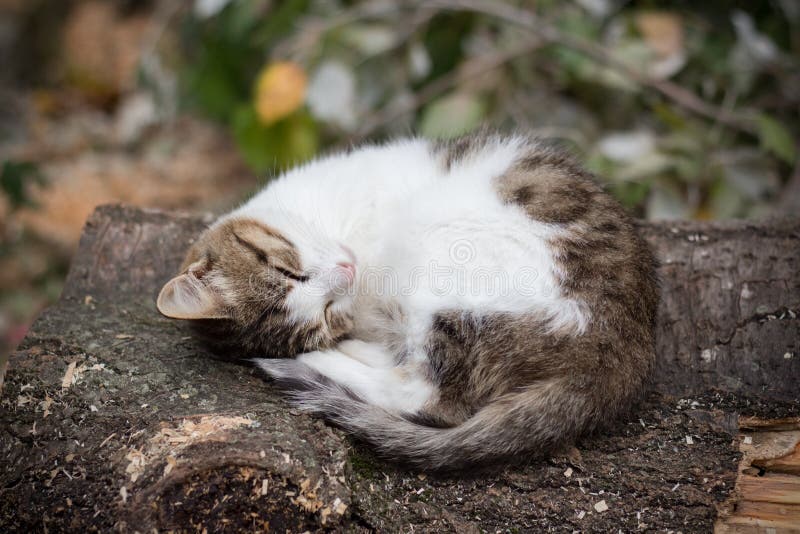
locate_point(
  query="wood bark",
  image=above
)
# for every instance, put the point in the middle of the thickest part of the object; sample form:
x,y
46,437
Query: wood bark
x,y
113,417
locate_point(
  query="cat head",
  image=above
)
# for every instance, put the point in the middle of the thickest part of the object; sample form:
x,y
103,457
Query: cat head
x,y
249,287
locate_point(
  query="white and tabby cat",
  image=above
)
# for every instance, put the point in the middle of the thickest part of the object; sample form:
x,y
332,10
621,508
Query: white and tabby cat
x,y
449,302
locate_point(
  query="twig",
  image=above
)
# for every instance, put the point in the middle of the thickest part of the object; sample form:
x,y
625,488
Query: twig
x,y
474,67
550,33
419,18
107,440
312,30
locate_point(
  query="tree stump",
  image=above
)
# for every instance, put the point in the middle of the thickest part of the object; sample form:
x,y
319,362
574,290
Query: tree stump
x,y
114,418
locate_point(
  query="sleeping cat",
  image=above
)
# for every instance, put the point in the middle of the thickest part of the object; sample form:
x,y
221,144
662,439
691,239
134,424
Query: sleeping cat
x,y
451,303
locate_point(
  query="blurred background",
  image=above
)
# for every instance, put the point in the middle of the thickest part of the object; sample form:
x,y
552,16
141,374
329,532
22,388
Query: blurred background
x,y
684,109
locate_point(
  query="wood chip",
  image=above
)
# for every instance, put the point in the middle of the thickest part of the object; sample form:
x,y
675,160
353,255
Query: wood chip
x,y
323,515
600,506
171,463
568,472
771,425
66,382
123,492
339,507
48,401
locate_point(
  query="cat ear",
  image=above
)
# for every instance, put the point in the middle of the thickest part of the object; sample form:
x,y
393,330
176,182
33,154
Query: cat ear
x,y
187,297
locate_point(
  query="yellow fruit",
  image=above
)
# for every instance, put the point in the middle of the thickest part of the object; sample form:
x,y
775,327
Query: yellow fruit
x,y
280,90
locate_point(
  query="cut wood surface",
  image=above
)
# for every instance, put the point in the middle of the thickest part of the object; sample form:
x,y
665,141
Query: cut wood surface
x,y
113,417
767,492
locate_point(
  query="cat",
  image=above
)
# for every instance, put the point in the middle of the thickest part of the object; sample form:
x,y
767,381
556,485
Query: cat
x,y
453,303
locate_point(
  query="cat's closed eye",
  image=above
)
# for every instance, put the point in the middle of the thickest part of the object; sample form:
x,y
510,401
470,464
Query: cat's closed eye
x,y
278,257
297,277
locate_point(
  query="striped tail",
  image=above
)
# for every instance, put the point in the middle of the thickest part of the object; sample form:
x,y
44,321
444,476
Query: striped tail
x,y
535,420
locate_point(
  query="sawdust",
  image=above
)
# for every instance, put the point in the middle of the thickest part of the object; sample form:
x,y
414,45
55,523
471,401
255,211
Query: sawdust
x,y
169,441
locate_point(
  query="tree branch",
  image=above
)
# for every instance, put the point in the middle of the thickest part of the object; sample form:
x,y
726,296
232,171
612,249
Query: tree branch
x,y
547,32
473,68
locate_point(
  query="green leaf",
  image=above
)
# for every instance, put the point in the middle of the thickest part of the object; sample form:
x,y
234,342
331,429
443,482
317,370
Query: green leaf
x,y
775,138
452,115
240,19
281,20
630,194
444,39
725,201
14,178
283,144
669,116
213,82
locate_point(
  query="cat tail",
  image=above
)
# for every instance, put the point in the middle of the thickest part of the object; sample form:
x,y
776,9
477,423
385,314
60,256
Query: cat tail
x,y
535,420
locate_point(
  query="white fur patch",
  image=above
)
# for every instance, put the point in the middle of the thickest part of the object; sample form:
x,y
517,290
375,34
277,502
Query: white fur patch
x,y
397,389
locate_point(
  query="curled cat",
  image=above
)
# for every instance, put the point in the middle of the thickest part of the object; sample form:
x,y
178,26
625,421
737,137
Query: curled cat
x,y
451,303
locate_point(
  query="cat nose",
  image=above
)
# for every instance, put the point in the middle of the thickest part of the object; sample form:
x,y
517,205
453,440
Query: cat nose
x,y
348,269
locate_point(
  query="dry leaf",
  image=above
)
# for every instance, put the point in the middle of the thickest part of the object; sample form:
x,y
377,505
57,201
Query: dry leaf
x,y
280,90
662,31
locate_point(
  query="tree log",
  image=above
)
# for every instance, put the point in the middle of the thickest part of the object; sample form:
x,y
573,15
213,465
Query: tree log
x,y
115,418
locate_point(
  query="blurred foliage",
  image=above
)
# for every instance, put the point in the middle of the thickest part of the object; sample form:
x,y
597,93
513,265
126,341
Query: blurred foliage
x,y
294,77
15,178
30,276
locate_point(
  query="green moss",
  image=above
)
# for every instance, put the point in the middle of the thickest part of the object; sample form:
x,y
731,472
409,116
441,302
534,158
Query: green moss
x,y
364,464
